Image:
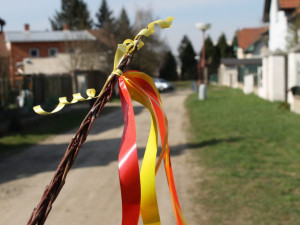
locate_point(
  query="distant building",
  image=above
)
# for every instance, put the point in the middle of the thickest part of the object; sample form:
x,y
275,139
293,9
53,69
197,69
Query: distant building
x,y
232,71
29,44
251,46
55,63
252,42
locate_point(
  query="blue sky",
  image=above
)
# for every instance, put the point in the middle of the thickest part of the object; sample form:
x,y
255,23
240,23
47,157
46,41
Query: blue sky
x,y
225,15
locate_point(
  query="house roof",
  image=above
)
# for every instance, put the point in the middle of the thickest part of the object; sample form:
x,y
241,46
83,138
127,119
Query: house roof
x,y
288,4
47,36
282,4
248,36
3,49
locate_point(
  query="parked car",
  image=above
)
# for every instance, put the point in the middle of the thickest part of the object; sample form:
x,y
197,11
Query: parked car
x,y
162,84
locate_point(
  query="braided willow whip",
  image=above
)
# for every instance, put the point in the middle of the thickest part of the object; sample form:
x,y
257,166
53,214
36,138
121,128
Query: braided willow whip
x,y
41,212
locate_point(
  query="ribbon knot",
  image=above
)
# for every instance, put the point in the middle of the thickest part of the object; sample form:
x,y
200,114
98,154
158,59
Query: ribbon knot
x,y
130,45
117,72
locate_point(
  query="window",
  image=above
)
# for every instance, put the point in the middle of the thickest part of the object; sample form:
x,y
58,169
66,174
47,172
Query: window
x,y
34,52
53,52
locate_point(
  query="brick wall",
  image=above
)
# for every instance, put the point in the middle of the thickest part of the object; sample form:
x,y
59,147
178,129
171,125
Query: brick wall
x,y
19,51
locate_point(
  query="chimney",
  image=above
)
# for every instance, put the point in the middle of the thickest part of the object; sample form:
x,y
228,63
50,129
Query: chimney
x,y
66,27
2,23
26,27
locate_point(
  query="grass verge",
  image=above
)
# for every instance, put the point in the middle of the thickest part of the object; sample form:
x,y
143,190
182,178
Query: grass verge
x,y
183,84
250,151
51,125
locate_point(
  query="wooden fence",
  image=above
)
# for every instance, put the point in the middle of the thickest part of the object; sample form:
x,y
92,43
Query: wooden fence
x,y
47,89
4,92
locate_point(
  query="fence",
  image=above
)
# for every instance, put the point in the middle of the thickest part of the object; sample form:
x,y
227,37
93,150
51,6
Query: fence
x,y
5,92
47,89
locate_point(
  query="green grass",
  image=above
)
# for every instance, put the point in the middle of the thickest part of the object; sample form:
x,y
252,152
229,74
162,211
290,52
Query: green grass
x,y
50,125
183,84
250,151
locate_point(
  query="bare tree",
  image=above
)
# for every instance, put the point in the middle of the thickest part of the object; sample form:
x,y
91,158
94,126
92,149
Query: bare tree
x,y
86,55
151,54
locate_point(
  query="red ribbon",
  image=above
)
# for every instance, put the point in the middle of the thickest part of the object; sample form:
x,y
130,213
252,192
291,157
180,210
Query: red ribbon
x,y
163,126
128,162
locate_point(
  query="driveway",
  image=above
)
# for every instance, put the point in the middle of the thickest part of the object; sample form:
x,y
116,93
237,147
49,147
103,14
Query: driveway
x,y
91,194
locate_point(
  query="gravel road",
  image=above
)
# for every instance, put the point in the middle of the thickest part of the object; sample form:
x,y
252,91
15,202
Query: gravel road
x,y
91,194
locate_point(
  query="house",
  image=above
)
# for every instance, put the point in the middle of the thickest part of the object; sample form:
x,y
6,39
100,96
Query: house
x,y
252,42
280,65
74,60
232,71
276,77
38,44
251,45
279,14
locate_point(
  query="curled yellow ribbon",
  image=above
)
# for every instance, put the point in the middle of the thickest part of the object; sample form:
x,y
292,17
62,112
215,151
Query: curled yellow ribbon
x,y
77,97
63,101
150,28
126,48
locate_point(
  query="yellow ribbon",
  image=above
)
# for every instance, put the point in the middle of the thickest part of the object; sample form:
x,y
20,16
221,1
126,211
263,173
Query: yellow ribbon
x,y
149,206
126,48
77,97
150,28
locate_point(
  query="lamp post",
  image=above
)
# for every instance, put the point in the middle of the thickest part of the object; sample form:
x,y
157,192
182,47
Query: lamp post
x,y
201,65
203,27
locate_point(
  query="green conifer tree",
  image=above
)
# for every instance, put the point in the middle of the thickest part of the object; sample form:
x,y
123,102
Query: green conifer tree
x,y
123,28
225,49
104,17
212,56
223,46
188,61
234,45
168,69
74,14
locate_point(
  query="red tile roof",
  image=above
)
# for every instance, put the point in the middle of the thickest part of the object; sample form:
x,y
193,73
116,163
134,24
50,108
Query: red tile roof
x,y
289,4
282,4
3,49
249,36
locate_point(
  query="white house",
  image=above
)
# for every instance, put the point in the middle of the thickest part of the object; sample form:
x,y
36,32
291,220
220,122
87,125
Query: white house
x,y
280,65
251,45
276,13
252,42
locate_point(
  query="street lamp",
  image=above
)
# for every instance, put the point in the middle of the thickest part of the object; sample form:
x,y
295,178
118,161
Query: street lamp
x,y
203,27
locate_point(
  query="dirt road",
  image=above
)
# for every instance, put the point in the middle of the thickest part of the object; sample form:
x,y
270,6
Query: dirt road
x,y
91,194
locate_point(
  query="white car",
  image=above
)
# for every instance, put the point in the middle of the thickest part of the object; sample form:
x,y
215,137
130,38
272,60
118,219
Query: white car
x,y
162,84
